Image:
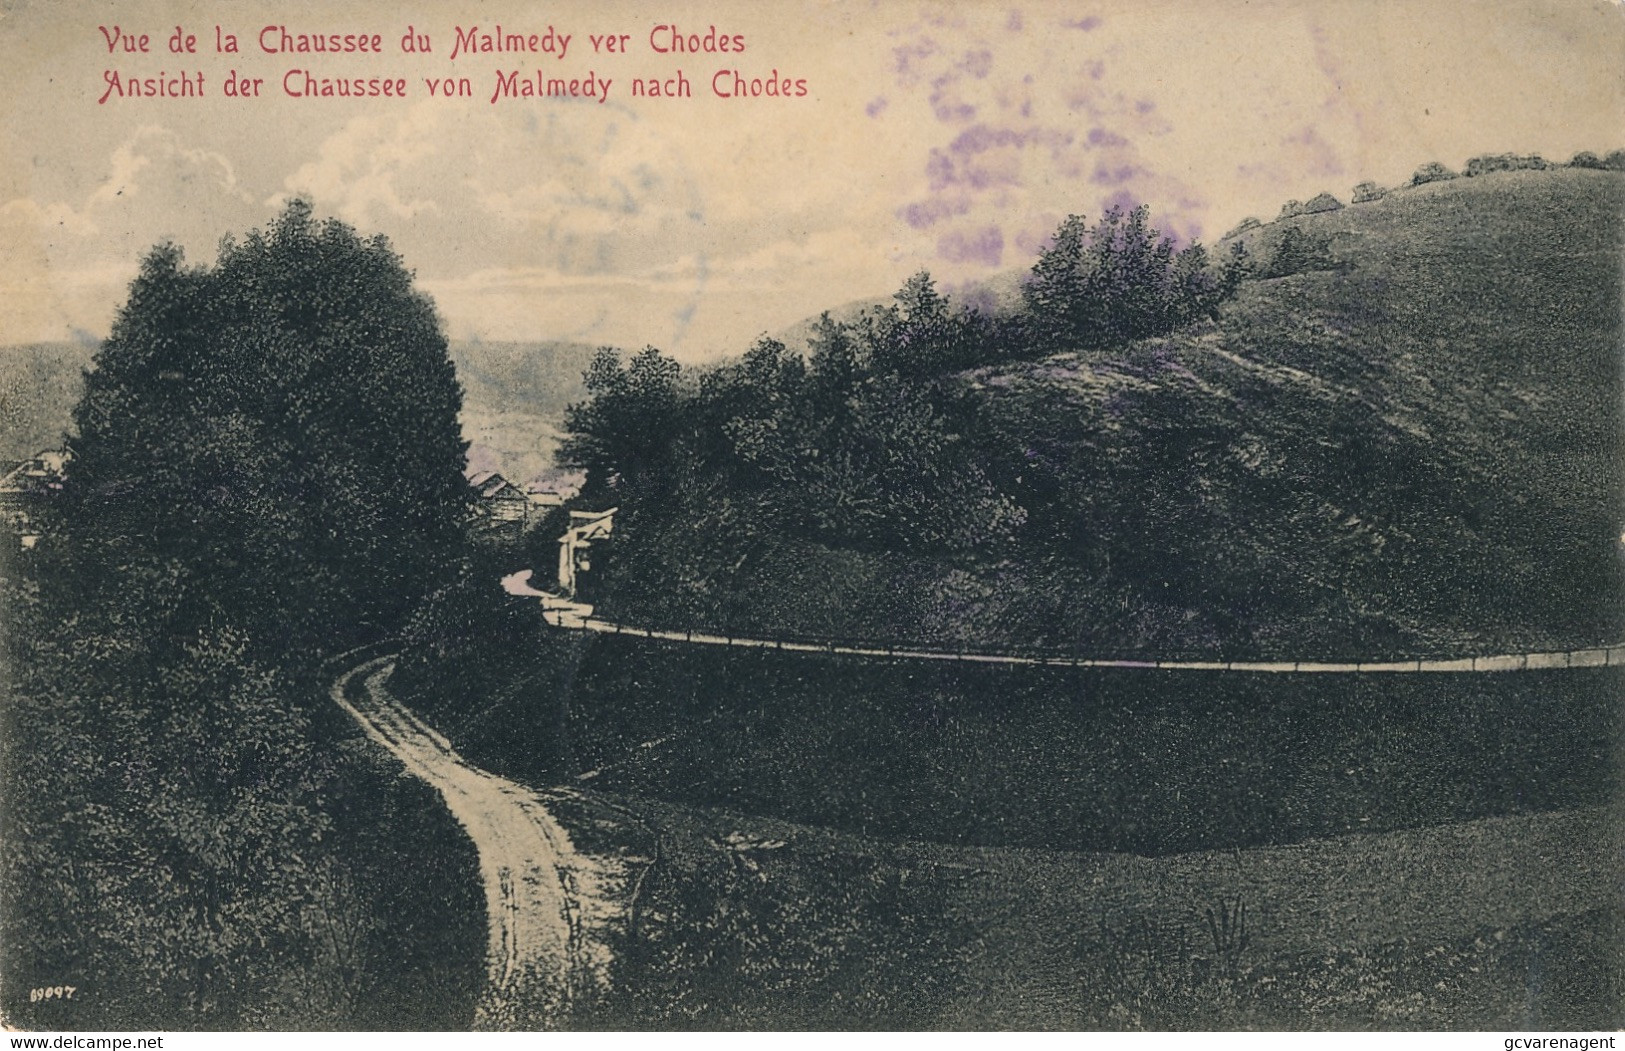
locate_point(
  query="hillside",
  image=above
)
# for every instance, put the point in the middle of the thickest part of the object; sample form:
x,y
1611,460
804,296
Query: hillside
x,y
1429,433
1417,450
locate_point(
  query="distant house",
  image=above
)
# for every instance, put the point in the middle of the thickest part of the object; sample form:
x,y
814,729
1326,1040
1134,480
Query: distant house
x,y
25,484
576,545
545,498
498,500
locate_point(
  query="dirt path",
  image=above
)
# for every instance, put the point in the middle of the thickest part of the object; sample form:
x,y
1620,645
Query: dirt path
x,y
551,909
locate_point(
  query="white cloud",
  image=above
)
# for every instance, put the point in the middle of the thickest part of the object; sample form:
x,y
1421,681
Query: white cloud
x,y
577,190
64,265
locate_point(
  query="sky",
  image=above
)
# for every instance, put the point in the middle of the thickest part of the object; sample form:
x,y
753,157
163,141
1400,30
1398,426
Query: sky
x,y
949,137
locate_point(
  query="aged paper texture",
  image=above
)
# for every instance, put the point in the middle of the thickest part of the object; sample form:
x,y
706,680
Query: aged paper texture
x,y
888,516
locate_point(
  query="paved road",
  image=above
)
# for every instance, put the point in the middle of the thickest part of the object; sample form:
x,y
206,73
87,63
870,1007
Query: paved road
x,y
549,906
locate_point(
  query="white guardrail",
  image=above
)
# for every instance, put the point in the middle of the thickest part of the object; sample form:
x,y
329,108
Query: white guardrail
x,y
575,616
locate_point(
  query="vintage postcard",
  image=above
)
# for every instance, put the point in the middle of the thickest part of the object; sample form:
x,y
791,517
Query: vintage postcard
x,y
1020,515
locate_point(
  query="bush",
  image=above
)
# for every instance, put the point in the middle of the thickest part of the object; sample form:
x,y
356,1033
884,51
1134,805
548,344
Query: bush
x,y
1432,171
1324,202
1298,252
1368,191
1505,162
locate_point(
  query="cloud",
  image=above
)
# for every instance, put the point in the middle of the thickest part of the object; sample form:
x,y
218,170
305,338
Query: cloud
x,y
594,223
692,305
567,188
158,188
64,265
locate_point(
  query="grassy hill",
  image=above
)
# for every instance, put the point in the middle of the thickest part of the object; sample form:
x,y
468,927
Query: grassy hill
x,y
1425,442
1417,450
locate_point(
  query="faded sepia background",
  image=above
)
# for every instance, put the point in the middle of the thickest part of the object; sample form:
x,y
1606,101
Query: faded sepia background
x,y
1178,639
949,137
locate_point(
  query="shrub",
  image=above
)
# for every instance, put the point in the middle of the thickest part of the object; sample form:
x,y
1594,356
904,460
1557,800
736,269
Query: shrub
x,y
1432,171
1366,192
1505,162
1298,252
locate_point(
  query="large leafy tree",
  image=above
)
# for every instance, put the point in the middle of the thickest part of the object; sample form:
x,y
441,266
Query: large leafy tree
x,y
282,426
268,467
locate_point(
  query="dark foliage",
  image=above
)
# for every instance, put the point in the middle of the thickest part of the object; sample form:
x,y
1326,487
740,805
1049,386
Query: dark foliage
x,y
267,469
1298,252
283,428
627,425
1119,280
1432,171
1504,162
1293,480
866,443
470,646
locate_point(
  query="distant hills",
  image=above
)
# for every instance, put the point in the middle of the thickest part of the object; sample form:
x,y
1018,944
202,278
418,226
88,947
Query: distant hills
x,y
39,385
515,395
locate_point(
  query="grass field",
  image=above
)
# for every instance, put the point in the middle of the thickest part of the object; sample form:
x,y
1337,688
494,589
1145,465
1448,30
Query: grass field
x,y
978,853
1073,759
751,923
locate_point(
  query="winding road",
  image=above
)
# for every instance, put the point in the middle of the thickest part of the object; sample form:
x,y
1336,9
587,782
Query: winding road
x,y
578,616
550,907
